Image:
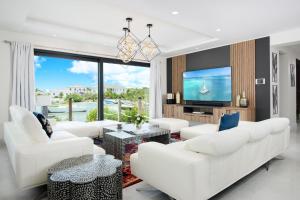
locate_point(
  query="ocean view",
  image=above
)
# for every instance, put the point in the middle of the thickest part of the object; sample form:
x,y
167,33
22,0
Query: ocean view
x,y
216,88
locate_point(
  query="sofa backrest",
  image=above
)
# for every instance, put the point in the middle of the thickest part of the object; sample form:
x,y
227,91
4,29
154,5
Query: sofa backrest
x,y
220,143
27,124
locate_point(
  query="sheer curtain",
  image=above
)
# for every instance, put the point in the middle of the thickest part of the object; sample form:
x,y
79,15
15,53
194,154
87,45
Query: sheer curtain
x,y
157,86
23,85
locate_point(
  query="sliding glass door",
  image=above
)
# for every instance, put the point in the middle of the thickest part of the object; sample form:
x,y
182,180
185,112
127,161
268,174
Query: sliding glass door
x,y
124,86
87,88
70,85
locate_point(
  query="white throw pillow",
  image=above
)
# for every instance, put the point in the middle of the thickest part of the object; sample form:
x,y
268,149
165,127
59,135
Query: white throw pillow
x,y
29,124
218,144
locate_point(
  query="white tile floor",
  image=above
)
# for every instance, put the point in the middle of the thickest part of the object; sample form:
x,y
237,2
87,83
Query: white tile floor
x,y
281,182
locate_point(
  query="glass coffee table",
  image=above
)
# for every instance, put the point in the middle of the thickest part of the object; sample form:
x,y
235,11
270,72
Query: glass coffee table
x,y
117,141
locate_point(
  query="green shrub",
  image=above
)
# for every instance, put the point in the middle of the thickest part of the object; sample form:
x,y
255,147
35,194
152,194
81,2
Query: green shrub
x,y
92,115
109,114
75,97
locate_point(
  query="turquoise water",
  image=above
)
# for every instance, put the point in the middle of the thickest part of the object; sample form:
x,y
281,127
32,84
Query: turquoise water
x,y
219,88
62,111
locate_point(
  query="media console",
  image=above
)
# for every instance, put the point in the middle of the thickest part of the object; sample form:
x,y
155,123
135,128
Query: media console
x,y
205,114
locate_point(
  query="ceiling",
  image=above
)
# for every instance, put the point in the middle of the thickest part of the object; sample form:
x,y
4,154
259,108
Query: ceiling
x,y
100,22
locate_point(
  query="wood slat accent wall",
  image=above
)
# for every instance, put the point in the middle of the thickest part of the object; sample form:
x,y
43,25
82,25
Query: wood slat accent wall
x,y
242,60
178,67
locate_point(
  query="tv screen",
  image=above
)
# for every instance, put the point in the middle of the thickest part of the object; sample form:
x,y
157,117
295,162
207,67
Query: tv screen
x,y
213,84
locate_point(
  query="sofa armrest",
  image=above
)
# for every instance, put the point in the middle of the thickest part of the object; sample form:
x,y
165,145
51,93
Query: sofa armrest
x,y
33,161
180,173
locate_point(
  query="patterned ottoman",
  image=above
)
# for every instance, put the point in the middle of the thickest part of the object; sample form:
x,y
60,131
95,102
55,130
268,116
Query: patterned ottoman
x,y
88,177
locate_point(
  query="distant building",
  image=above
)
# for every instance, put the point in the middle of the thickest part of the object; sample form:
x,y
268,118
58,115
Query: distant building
x,y
72,90
77,89
114,88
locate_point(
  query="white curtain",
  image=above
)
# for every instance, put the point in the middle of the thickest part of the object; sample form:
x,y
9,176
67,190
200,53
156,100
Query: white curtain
x,y
23,86
157,82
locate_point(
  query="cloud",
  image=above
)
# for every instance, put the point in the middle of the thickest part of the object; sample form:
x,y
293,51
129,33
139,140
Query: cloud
x,y
84,67
38,60
114,74
126,76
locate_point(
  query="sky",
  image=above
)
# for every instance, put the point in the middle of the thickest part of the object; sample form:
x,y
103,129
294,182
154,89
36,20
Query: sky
x,y
58,73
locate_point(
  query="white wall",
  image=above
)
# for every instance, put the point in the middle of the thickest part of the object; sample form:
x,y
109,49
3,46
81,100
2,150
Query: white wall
x,y
4,83
287,93
41,42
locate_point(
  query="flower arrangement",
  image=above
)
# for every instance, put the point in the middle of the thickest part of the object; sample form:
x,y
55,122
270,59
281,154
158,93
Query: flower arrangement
x,y
138,120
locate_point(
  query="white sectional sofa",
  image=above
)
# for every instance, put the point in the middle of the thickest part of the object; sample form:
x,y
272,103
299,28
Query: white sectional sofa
x,y
31,151
199,168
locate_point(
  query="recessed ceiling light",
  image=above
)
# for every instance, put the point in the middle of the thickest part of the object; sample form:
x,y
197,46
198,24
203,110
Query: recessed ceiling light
x,y
54,35
175,12
218,29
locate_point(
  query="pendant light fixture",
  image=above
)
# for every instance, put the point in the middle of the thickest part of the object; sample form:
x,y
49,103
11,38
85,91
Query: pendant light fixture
x,y
148,47
128,45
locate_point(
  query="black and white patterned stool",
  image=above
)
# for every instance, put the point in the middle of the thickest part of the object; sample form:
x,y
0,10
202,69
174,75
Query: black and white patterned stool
x,y
88,177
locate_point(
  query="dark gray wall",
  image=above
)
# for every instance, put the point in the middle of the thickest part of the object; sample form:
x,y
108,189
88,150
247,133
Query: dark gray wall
x,y
216,57
262,70
169,75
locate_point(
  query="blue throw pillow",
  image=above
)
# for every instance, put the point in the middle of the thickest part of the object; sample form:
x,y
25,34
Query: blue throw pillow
x,y
229,121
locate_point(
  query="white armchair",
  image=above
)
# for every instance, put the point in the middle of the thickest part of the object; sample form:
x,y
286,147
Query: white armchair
x,y
31,159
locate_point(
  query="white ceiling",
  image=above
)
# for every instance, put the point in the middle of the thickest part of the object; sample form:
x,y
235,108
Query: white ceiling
x,y
193,29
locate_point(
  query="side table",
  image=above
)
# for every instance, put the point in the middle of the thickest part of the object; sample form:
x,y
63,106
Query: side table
x,y
89,177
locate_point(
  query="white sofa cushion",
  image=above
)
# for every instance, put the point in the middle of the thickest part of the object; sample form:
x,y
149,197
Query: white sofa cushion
x,y
30,125
257,130
64,135
61,135
218,144
194,131
277,125
172,124
84,129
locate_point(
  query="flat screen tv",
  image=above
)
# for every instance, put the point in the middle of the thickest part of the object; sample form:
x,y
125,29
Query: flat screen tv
x,y
208,85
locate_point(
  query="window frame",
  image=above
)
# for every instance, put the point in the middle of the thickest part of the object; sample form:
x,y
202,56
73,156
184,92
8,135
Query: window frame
x,y
99,60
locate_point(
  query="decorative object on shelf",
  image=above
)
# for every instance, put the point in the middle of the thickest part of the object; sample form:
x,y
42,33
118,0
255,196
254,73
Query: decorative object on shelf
x,y
293,74
238,98
139,120
177,97
149,48
129,45
244,101
44,101
170,98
